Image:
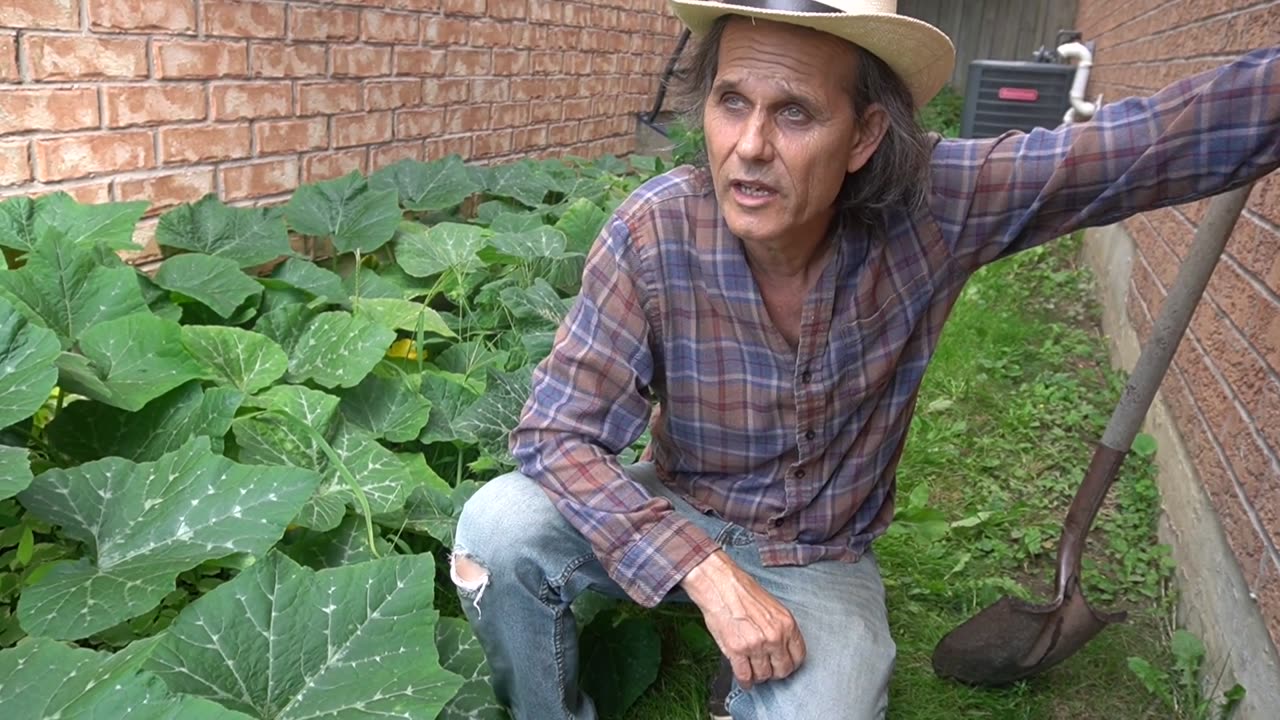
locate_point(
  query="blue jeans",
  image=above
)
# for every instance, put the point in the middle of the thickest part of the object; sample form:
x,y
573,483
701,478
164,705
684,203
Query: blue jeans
x,y
535,563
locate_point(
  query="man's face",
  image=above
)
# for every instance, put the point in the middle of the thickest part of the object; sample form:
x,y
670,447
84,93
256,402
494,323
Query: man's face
x,y
780,128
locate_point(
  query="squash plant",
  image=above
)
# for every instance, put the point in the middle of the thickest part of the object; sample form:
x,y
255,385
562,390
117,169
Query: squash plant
x,y
225,485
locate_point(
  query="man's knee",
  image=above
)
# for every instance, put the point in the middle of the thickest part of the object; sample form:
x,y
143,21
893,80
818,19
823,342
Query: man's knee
x,y
497,523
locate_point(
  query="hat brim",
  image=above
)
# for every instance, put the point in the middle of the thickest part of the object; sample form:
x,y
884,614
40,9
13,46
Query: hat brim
x,y
921,54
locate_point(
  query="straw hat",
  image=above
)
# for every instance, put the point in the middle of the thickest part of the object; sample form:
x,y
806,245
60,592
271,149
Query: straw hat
x,y
921,54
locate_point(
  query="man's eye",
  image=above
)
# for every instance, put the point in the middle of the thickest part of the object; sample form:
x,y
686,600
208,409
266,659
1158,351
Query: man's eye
x,y
733,102
795,113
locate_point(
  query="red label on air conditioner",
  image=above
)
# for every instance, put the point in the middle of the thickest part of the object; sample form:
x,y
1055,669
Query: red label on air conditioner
x,y
1019,94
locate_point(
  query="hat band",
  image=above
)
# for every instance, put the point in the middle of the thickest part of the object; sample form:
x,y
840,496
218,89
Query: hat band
x,y
805,6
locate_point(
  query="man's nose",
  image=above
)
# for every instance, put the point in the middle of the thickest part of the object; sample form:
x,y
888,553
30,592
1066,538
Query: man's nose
x,y
755,142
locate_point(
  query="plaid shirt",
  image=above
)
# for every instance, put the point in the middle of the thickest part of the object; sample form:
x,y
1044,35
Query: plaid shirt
x,y
800,446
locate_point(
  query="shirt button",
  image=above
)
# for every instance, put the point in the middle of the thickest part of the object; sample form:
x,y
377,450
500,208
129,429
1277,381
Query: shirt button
x,y
776,522
806,376
809,435
799,474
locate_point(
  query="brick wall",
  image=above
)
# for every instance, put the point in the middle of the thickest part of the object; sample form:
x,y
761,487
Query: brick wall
x,y
1224,387
167,100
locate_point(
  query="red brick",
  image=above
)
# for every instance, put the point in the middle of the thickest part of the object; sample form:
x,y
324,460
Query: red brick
x,y
468,119
490,90
509,115
284,136
541,112
324,24
381,157
145,104
529,138
563,133
361,129
9,57
15,162
509,9
577,109
436,149
329,98
96,192
428,5
528,88
175,16
510,62
200,58
419,62
466,62
419,123
443,32
244,101
392,94
286,60
237,18
464,7
167,190
326,166
492,144
360,61
63,57
444,92
48,109
203,144
546,12
548,63
259,179
77,156
50,14
390,27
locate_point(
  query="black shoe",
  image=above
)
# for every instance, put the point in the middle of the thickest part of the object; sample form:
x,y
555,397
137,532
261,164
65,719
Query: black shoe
x,y
721,684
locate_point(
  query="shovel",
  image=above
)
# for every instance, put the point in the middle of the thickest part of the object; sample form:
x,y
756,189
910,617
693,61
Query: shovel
x,y
1013,639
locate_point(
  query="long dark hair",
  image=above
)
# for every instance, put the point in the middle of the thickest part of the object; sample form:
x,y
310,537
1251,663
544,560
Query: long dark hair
x,y
896,174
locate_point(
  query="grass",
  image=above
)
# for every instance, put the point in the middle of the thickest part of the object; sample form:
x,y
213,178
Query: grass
x,y
1008,415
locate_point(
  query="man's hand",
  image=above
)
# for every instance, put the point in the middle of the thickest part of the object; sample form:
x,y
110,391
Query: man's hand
x,y
755,631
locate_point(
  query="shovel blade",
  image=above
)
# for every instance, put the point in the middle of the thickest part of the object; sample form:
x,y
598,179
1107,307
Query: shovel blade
x,y
1012,639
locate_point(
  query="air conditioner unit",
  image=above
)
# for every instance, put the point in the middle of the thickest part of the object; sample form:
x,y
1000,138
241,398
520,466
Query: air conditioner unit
x,y
1008,95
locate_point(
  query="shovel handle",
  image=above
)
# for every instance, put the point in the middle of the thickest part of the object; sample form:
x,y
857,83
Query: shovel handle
x,y
1148,372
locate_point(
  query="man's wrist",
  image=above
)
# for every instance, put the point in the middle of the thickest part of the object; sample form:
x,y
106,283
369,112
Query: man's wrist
x,y
705,574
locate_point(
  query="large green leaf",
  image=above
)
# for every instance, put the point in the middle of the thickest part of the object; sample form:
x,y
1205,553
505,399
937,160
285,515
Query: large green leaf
x,y
525,181
281,642
346,544
470,358
450,396
581,224
286,325
427,187
15,471
347,212
433,508
492,418
528,245
620,660
143,524
27,373
88,430
461,653
240,358
129,362
247,236
23,222
538,306
423,251
338,350
308,276
399,314
214,281
68,290
293,432
46,680
389,406
383,478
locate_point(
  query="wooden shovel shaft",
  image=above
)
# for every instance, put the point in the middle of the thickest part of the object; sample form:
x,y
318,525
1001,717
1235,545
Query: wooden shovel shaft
x,y
1148,372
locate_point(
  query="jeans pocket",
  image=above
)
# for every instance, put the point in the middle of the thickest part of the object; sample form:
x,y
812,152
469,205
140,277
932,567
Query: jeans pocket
x,y
734,536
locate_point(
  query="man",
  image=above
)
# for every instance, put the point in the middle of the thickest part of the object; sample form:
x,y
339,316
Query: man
x,y
780,306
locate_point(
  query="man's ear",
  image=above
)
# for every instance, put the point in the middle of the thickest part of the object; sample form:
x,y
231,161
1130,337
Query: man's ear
x,y
872,126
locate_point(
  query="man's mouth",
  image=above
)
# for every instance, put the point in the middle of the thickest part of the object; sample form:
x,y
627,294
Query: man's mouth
x,y
750,190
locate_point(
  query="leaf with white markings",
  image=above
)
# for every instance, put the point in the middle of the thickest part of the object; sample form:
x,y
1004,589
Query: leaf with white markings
x,y
529,245
433,508
27,373
399,314
525,181
423,251
216,282
144,523
24,222
338,350
129,362
580,224
247,236
281,642
426,187
346,211
68,290
242,359
43,680
15,471
538,306
346,544
285,325
450,395
291,433
461,653
383,478
307,276
88,430
492,418
388,406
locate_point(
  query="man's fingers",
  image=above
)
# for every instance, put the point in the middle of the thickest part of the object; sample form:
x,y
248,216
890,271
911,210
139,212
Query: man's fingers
x,y
796,648
741,670
761,668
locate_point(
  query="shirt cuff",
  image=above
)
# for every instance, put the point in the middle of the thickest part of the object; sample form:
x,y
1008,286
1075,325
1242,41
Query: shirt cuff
x,y
661,557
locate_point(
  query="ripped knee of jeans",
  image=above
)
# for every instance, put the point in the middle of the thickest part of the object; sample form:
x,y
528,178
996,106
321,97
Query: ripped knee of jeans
x,y
470,577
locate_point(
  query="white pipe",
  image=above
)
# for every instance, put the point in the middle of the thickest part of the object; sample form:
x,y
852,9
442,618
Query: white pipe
x,y
1081,109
